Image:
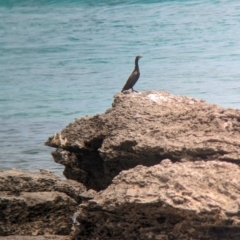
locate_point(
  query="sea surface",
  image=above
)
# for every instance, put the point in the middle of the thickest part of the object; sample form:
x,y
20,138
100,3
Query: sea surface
x,y
64,59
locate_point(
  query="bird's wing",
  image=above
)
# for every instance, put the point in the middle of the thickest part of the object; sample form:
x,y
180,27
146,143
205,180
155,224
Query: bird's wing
x,y
134,77
131,80
134,73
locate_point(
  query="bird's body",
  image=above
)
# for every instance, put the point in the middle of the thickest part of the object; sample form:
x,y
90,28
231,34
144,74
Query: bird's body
x,y
133,77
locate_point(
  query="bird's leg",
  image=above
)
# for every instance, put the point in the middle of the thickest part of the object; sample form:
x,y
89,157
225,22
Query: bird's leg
x,y
134,90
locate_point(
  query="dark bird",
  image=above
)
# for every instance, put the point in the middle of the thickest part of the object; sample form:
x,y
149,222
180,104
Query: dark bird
x,y
133,77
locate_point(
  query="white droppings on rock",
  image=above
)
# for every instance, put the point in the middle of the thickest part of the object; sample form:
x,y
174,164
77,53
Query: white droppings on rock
x,y
157,98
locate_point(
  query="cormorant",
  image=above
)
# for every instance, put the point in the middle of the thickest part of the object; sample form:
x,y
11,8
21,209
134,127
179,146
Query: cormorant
x,y
133,77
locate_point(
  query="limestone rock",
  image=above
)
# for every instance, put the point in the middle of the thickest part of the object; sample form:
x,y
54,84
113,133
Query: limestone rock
x,y
178,201
37,203
40,237
143,129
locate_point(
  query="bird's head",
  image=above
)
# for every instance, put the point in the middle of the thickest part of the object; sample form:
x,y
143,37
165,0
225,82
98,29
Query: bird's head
x,y
137,58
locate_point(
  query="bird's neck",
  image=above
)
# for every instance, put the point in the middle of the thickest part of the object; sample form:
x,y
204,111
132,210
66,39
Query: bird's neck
x,y
136,66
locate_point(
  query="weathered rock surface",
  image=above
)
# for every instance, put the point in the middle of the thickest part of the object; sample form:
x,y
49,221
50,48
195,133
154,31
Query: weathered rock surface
x,y
194,194
37,203
40,237
177,201
143,129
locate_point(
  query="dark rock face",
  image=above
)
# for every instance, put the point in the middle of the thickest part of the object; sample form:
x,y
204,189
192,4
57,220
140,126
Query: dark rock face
x,y
182,201
143,129
37,203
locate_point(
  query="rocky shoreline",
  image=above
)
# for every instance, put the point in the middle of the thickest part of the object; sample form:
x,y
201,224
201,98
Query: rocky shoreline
x,y
154,166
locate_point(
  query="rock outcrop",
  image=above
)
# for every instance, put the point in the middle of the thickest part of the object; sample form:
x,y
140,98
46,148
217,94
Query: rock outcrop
x,y
165,167
143,129
177,201
37,204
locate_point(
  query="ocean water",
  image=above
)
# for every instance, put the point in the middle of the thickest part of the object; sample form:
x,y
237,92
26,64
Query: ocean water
x,y
61,60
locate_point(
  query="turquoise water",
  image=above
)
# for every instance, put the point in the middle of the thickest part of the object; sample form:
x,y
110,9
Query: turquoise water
x,y
60,60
